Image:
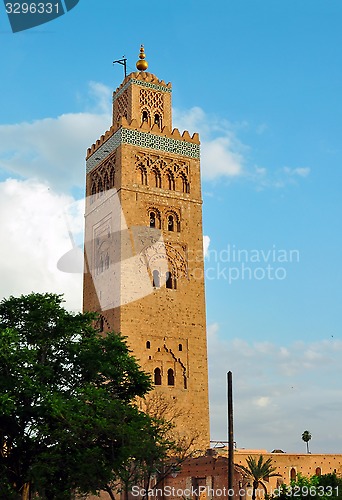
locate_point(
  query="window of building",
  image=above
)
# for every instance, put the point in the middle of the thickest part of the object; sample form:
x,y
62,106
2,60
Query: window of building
x,y
144,116
170,377
156,279
101,324
168,280
318,471
157,377
185,184
170,182
171,281
106,182
293,474
152,219
157,119
106,263
185,382
170,223
93,193
142,176
180,347
112,176
157,178
148,345
100,267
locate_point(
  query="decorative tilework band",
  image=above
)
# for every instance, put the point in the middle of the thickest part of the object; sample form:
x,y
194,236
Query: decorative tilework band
x,y
149,85
144,140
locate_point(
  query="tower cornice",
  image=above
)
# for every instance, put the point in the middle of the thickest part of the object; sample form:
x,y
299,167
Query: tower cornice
x,y
143,79
145,137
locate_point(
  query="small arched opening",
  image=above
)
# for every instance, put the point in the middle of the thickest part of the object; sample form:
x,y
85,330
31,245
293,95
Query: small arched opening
x,y
170,223
157,119
157,377
152,219
170,377
156,279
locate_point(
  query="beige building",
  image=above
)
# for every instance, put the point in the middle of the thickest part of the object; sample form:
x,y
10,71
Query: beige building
x,y
289,465
144,244
206,477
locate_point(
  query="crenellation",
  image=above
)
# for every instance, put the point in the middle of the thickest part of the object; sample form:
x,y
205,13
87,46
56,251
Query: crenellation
x,y
175,134
134,125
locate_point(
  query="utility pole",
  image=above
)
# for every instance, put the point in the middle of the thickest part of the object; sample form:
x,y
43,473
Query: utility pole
x,y
230,436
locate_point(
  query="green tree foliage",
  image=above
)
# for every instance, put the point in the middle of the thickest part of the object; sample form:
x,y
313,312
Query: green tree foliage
x,y
324,487
67,418
258,471
157,453
306,436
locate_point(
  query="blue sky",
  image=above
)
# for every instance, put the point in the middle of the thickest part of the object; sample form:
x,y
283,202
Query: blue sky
x,y
261,81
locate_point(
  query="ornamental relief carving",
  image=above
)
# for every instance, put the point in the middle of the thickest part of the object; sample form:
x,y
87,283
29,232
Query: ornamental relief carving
x,y
166,257
103,177
163,172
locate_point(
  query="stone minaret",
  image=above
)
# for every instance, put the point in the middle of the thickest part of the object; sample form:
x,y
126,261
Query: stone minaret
x,y
144,244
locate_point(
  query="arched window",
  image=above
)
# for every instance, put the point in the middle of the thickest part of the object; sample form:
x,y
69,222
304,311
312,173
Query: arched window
x,y
106,182
168,280
111,176
157,377
170,182
157,119
148,345
185,382
93,193
144,116
293,474
170,223
152,219
186,186
318,471
143,177
101,323
170,377
171,281
180,347
100,268
157,178
156,279
106,263
100,187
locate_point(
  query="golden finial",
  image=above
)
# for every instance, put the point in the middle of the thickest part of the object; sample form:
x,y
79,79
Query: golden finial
x,y
141,64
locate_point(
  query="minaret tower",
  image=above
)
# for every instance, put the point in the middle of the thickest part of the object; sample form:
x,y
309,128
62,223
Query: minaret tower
x,y
144,244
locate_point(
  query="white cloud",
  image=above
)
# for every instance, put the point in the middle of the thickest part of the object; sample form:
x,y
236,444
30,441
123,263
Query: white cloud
x,y
262,401
206,243
279,391
53,149
298,171
277,178
101,96
221,151
34,237
224,155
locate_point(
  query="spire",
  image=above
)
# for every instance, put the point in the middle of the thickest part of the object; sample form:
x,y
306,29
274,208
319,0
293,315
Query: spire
x,y
142,65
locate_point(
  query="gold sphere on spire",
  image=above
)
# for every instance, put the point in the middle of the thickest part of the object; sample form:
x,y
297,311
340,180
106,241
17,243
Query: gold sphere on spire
x,y
141,64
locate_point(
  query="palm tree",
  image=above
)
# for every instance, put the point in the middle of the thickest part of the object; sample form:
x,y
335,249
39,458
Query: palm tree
x,y
306,436
258,471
